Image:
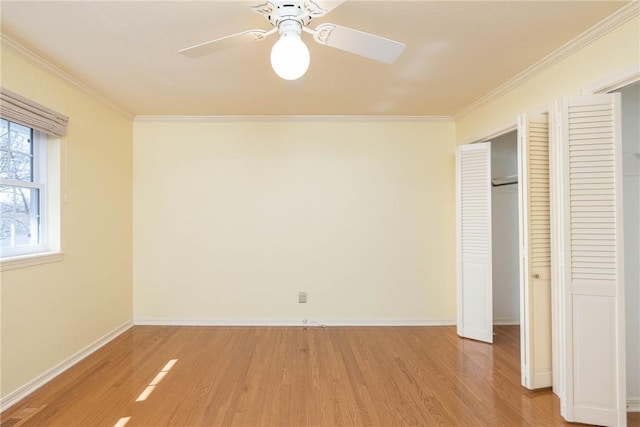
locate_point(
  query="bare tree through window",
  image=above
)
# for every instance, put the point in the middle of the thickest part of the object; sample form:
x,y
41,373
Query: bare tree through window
x,y
19,200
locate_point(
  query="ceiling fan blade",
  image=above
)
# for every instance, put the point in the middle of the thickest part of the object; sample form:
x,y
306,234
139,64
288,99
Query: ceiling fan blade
x,y
359,42
326,5
224,43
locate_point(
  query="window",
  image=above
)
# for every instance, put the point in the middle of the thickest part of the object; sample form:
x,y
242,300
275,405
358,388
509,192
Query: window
x,y
22,189
29,182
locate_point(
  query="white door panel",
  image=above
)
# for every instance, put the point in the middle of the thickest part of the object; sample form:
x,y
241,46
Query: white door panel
x,y
591,247
535,248
475,298
476,315
594,345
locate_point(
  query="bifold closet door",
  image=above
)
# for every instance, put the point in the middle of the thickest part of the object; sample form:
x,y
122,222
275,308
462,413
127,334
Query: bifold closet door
x,y
535,251
592,327
475,287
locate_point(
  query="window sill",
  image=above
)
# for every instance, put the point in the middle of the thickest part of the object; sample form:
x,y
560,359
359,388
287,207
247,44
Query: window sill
x,y
22,261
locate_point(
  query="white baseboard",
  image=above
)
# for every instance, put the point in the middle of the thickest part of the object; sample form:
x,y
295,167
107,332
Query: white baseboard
x,y
506,322
633,405
14,397
310,323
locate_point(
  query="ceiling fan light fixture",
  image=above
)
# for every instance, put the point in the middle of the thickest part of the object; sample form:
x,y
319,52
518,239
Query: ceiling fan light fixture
x,y
290,56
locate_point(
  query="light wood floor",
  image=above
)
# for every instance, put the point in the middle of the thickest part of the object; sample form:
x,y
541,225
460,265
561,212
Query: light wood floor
x,y
415,376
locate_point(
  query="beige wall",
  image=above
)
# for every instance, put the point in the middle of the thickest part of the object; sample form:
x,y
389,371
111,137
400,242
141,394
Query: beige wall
x,y
619,50
52,311
232,219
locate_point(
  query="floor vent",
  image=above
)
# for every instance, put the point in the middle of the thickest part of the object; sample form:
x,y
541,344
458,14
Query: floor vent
x,y
22,416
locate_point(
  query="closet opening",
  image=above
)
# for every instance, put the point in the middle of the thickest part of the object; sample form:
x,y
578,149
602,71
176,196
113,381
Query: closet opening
x,y
504,254
504,229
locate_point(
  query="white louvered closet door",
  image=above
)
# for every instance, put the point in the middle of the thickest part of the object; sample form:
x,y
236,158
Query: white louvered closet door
x,y
475,297
593,274
535,251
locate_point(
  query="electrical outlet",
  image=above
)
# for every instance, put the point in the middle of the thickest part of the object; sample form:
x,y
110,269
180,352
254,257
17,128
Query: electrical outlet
x,y
302,297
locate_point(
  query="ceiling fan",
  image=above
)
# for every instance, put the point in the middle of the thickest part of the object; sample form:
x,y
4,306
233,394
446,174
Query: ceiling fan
x,y
290,56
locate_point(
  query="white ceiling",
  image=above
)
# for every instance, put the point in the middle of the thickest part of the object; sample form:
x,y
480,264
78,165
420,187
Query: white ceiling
x,y
457,52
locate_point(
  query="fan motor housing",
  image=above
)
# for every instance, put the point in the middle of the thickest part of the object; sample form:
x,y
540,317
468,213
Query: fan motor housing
x,y
277,12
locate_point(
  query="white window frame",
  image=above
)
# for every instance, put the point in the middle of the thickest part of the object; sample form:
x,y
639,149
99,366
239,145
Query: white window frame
x,y
39,174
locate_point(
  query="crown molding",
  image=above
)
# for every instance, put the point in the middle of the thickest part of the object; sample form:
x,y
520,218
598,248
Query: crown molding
x,y
603,27
30,56
226,119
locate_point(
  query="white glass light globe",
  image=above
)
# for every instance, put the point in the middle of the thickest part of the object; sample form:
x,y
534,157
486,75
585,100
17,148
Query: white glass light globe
x,y
290,57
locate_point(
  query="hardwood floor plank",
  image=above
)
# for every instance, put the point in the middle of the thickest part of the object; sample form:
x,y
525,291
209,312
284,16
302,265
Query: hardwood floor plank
x,y
340,376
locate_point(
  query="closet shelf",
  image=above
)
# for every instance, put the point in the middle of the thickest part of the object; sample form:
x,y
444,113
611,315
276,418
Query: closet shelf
x,y
504,180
